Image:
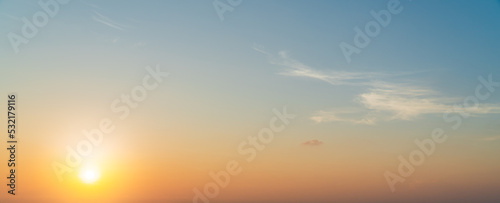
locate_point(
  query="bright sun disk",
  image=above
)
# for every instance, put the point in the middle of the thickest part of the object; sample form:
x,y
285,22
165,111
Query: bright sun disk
x,y
89,175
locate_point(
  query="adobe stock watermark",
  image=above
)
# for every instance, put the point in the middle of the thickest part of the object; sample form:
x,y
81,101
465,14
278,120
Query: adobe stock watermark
x,y
121,106
221,7
427,147
372,29
29,29
248,148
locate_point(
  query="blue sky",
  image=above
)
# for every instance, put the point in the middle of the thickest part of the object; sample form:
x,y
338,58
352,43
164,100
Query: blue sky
x,y
227,74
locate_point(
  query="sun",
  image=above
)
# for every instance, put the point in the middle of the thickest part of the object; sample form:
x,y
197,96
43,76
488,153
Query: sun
x,y
89,175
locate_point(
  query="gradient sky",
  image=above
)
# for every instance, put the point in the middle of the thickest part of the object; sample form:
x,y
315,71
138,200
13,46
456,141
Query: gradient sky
x,y
352,121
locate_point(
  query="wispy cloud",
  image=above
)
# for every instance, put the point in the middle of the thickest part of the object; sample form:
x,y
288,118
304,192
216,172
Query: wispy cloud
x,y
107,21
406,102
403,101
381,100
312,143
354,116
297,69
386,101
122,24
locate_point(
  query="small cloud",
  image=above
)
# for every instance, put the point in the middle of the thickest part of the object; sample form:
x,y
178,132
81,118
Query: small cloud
x,y
312,143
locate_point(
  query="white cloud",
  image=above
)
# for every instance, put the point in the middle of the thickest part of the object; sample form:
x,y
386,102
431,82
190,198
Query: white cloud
x,y
297,69
407,102
403,102
342,115
381,100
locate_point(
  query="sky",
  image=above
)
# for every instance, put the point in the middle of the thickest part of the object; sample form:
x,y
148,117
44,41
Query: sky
x,y
343,90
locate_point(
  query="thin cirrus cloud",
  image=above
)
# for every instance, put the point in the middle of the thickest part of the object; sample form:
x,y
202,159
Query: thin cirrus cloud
x,y
388,101
124,26
402,101
355,116
101,18
297,69
107,21
381,101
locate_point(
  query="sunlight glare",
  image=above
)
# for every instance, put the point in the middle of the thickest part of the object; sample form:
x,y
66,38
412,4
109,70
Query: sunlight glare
x,y
89,175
